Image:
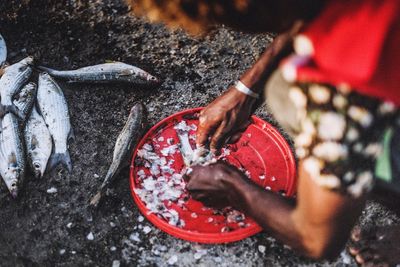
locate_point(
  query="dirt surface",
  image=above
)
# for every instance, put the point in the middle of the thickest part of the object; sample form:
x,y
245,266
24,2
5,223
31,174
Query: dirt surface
x,y
42,229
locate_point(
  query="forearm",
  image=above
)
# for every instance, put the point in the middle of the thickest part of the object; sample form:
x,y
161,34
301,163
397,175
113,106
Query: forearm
x,y
271,211
314,230
256,77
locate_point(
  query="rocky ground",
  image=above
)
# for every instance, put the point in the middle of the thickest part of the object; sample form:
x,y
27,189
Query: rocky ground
x,y
42,229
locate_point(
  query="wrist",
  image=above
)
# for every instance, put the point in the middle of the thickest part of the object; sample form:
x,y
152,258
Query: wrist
x,y
238,185
241,87
246,100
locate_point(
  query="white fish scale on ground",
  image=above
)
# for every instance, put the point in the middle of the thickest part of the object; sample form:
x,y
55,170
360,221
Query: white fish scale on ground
x,y
38,142
54,109
3,50
13,78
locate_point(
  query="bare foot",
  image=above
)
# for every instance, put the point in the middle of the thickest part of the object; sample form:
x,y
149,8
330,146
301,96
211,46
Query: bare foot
x,y
377,246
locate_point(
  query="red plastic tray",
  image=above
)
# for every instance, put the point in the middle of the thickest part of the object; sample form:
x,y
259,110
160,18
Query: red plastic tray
x,y
262,151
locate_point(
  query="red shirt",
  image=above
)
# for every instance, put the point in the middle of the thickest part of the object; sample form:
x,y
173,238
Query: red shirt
x,y
356,42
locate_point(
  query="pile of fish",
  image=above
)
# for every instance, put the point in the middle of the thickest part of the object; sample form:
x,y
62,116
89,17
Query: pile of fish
x,y
35,125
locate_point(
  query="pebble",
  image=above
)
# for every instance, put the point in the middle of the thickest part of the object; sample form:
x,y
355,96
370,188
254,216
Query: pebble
x,y
134,237
261,248
113,248
112,224
69,225
146,229
199,254
62,251
172,260
140,219
116,263
52,190
96,175
90,236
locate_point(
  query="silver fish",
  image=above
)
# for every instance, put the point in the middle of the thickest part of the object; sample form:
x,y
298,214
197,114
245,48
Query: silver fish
x,y
126,141
197,156
25,99
185,147
107,72
38,143
12,166
12,80
54,109
3,51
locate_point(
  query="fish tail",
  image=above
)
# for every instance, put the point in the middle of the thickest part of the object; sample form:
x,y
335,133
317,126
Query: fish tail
x,y
60,158
95,201
71,135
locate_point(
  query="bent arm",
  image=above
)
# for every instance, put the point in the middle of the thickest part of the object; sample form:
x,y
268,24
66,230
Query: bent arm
x,y
256,77
317,225
230,113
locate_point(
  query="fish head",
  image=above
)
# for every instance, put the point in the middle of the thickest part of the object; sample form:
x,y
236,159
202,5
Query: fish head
x,y
12,184
152,79
38,169
148,79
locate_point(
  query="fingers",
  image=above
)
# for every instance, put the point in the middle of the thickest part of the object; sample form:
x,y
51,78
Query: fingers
x,y
218,138
235,137
205,129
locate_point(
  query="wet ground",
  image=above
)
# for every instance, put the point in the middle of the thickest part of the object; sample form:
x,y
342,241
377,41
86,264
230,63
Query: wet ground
x,y
42,229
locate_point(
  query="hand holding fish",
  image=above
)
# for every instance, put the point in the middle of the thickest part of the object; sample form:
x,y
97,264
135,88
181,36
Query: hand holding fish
x,y
225,118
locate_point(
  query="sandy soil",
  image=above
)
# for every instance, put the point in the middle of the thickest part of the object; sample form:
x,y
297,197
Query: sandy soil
x,y
41,229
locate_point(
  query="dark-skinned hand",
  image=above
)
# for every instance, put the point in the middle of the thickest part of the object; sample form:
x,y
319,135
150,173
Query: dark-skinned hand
x,y
224,118
216,185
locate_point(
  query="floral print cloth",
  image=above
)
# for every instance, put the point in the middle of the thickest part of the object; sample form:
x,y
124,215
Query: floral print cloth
x,y
341,135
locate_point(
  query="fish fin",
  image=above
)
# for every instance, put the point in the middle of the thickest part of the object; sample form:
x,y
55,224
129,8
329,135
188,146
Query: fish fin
x,y
4,109
71,135
60,158
45,69
95,201
125,73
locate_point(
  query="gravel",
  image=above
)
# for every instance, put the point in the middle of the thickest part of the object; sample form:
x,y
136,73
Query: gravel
x,y
41,229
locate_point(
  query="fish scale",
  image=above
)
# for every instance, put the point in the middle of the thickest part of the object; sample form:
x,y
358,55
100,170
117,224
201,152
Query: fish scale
x,y
54,109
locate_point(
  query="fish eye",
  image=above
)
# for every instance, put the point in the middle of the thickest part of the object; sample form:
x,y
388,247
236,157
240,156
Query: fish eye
x,y
153,78
13,185
36,165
